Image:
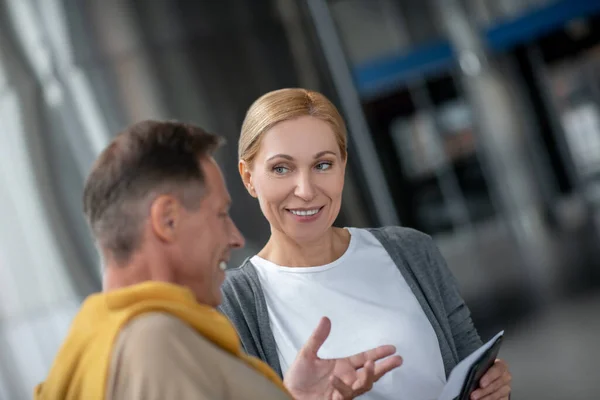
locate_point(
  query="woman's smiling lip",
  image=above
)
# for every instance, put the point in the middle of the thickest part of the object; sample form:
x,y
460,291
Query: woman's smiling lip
x,y
305,214
304,208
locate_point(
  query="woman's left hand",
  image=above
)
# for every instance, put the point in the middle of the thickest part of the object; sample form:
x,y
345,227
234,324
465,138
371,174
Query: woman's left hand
x,y
495,384
311,377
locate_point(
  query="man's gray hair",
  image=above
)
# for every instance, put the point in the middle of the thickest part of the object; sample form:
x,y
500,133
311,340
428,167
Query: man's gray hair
x,y
145,160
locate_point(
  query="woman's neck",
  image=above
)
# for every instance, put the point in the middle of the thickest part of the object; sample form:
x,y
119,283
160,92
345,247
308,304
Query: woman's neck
x,y
282,250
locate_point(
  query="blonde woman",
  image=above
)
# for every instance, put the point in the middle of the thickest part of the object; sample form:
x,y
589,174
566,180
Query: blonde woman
x,y
377,286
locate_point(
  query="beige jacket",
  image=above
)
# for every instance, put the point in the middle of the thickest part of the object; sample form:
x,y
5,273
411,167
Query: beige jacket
x,y
158,356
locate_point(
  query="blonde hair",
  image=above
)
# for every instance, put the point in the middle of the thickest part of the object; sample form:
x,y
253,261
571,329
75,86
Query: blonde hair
x,y
283,105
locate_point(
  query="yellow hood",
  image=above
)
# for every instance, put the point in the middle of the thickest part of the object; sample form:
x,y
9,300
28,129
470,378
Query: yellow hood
x,y
80,369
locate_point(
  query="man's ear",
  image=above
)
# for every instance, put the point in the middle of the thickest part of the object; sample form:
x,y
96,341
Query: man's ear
x,y
246,175
165,217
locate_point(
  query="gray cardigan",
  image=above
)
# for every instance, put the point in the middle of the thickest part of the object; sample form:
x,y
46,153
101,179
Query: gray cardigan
x,y
421,265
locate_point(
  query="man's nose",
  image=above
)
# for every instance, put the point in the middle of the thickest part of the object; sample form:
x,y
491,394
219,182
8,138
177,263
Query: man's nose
x,y
304,187
237,240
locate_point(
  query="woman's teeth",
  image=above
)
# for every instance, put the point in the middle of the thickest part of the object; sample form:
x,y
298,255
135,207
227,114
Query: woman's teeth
x,y
305,213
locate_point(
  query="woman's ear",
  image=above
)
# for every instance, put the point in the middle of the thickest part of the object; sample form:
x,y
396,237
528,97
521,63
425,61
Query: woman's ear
x,y
246,175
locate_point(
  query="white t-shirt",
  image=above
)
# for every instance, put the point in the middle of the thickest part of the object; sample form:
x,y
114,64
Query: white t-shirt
x,y
369,304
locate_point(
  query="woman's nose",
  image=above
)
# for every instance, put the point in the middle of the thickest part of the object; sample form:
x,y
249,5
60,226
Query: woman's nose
x,y
304,187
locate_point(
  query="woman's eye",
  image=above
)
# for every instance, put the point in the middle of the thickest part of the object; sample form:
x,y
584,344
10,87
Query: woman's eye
x,y
280,170
323,166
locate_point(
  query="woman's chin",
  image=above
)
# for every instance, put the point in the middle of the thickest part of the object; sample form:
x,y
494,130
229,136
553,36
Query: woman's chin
x,y
301,233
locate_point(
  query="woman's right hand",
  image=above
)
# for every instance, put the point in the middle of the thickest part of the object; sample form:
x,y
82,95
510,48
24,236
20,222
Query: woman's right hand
x,y
311,377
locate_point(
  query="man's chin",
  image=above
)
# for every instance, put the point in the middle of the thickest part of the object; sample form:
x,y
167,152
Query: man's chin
x,y
217,299
209,298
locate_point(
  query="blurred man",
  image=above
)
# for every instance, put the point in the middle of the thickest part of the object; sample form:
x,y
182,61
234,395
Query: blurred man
x,y
157,206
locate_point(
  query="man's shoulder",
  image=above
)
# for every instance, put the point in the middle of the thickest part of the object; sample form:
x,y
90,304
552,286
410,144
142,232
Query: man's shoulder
x,y
161,354
157,342
155,332
155,324
165,356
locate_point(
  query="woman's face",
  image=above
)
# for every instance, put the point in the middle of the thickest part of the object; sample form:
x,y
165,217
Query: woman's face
x,y
298,177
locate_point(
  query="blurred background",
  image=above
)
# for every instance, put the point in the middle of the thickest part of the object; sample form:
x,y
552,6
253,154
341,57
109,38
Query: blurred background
x,y
475,121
